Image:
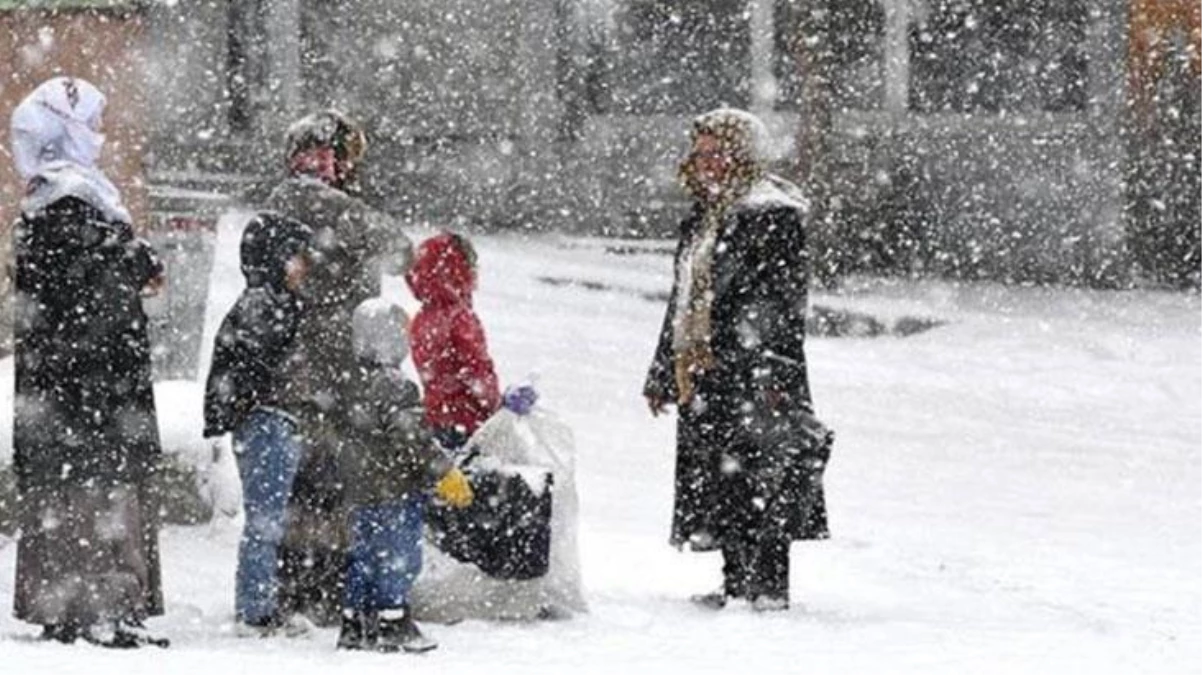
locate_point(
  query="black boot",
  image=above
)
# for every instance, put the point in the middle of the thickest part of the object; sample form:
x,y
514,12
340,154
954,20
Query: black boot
x,y
123,634
715,600
769,590
65,633
399,632
358,630
735,571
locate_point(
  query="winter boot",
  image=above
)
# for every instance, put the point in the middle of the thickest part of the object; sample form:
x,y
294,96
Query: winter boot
x,y
398,632
65,633
716,600
358,630
292,626
123,634
133,630
104,633
770,603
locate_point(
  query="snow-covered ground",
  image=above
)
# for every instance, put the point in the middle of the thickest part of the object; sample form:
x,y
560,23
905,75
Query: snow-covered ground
x,y
1016,491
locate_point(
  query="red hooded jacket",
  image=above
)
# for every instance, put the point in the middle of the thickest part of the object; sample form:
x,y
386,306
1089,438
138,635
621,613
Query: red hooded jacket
x,y
447,340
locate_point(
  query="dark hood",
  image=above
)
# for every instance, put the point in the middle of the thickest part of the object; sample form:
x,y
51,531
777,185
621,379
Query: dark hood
x,y
268,243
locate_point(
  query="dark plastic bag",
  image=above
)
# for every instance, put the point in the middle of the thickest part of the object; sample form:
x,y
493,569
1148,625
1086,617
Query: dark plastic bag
x,y
794,448
506,531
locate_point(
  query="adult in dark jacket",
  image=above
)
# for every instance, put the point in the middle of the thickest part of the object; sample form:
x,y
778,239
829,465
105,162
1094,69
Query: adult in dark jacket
x,y
85,436
731,358
352,244
247,393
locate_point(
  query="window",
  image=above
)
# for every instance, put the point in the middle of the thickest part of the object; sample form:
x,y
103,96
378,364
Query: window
x,y
676,57
856,30
998,56
243,40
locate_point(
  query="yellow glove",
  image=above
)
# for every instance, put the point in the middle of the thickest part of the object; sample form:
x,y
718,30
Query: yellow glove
x,y
454,489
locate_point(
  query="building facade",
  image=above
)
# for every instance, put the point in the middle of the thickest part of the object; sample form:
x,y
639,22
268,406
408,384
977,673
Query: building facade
x,y
1022,140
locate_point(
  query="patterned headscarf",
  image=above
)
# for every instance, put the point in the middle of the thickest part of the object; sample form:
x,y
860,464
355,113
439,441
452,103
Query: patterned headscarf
x,y
741,138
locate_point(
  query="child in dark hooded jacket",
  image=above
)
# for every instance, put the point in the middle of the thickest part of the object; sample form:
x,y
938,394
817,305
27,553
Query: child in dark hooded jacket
x,y
247,393
390,464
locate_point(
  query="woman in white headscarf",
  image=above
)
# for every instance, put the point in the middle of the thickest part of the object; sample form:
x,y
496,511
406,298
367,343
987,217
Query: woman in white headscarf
x,y
85,436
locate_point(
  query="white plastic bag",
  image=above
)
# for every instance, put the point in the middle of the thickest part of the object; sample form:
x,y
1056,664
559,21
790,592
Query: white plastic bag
x,y
217,479
448,590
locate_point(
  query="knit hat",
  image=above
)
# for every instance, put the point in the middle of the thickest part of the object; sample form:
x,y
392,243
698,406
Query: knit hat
x,y
379,332
326,145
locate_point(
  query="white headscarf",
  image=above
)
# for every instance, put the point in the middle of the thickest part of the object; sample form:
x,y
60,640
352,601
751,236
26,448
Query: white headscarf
x,y
56,137
60,120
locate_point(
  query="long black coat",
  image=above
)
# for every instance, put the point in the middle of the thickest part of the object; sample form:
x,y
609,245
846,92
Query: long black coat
x,y
85,403
85,436
731,469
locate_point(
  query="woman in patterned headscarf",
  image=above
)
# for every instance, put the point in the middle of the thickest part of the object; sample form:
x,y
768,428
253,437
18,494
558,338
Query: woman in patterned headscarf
x,y
731,359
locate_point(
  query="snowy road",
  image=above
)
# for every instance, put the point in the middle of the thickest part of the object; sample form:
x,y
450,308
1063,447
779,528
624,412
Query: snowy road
x,y
1017,491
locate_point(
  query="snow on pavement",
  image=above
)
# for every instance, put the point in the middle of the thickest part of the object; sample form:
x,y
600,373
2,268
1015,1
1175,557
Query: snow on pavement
x,y
1016,491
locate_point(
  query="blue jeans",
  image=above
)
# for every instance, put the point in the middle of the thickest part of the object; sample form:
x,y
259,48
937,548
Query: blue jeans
x,y
385,554
268,453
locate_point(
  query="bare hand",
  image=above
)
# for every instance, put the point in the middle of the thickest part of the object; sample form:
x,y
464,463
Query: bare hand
x,y
657,404
154,286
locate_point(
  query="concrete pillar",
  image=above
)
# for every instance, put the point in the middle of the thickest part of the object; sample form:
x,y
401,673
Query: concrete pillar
x,y
763,82
282,28
1106,55
899,15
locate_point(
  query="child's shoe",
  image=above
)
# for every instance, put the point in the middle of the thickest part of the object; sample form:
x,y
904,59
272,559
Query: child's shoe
x,y
358,630
716,600
292,626
398,632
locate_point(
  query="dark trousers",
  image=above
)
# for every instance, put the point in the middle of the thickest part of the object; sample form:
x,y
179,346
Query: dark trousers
x,y
452,439
756,567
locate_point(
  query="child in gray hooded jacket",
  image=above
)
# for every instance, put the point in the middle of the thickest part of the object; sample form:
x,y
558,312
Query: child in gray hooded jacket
x,y
390,464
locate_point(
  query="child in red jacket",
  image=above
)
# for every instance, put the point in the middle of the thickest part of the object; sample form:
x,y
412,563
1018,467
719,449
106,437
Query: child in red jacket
x,y
449,349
